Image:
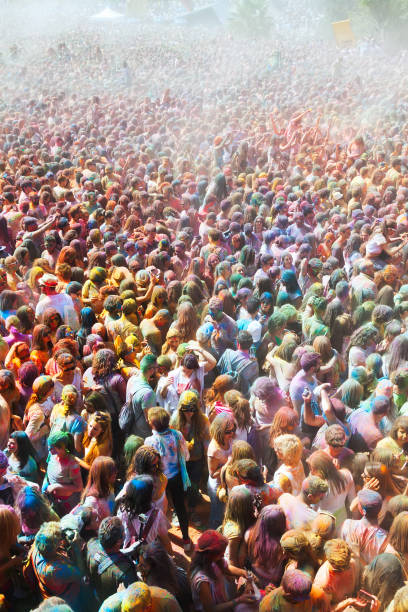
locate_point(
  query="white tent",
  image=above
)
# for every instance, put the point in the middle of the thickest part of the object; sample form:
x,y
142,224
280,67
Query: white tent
x,y
107,15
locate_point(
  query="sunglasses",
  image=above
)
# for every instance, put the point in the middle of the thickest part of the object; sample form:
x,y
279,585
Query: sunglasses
x,y
230,431
187,409
70,368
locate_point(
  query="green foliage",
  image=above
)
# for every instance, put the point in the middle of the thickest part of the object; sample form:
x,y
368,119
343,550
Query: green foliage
x,y
251,18
387,13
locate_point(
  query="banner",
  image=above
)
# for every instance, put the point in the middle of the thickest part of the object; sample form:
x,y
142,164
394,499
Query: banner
x,y
343,33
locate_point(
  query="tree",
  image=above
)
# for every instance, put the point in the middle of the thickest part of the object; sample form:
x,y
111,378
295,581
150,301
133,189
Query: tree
x,y
387,13
251,17
390,18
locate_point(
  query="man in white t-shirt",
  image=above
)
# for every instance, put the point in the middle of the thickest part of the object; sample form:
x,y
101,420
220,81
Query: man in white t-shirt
x,y
297,508
62,302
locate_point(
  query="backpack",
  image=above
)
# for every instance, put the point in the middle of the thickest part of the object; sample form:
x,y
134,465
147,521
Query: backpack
x,y
126,416
238,375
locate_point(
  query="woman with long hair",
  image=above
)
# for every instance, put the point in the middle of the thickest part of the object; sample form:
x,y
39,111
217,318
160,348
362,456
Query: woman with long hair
x,y
87,319
69,256
397,440
131,446
104,377
137,500
68,374
10,556
195,289
265,553
97,439
398,540
228,476
332,366
289,291
208,573
33,510
18,354
169,348
22,457
382,578
396,358
215,396
193,424
266,399
351,393
37,412
341,330
52,319
25,378
158,301
10,301
222,433
41,347
279,362
147,461
362,342
381,477
63,482
187,322
340,481
239,516
98,492
240,409
26,314
64,417
285,421
93,402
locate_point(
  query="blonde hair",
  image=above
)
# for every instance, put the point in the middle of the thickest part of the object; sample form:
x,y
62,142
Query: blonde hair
x,y
289,447
401,600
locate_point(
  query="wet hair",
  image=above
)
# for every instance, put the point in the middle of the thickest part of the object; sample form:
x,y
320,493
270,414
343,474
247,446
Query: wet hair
x,y
264,538
33,508
351,393
138,496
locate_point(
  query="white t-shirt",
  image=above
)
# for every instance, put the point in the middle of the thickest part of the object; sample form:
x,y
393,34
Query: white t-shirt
x,y
63,304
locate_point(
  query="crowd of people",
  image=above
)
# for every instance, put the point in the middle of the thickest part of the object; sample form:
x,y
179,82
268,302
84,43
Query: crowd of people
x,y
203,327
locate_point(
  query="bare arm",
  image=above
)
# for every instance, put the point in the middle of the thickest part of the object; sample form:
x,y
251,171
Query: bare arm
x,y
309,418
214,467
